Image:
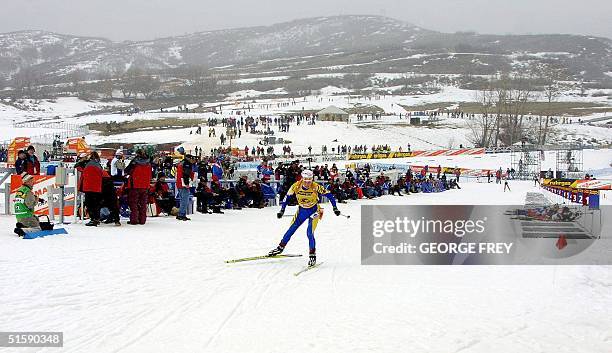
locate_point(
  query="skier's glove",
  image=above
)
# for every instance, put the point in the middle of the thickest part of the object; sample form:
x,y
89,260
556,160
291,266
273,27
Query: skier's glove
x,y
336,211
280,214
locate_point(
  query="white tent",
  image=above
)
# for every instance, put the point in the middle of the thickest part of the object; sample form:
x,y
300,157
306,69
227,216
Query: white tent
x,y
333,113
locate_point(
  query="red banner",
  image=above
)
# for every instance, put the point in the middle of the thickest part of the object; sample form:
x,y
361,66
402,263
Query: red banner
x,y
42,183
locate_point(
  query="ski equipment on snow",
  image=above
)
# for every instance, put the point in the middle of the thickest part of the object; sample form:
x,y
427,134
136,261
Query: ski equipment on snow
x,y
307,268
263,257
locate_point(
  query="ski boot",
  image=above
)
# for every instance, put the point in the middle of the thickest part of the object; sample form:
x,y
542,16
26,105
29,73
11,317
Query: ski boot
x,y
279,249
312,260
19,232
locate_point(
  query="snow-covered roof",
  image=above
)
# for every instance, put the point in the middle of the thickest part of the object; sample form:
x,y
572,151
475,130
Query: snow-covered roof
x,y
332,109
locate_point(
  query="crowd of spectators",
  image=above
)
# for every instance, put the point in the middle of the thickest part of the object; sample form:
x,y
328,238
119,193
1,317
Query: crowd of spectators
x,y
167,184
134,188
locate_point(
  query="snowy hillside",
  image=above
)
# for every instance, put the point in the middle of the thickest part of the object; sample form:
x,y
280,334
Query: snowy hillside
x,y
381,43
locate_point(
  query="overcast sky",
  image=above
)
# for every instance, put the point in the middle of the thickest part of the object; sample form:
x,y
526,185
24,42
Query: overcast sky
x,y
149,19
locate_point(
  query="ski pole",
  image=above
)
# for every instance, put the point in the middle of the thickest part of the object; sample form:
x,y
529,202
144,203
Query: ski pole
x,y
345,216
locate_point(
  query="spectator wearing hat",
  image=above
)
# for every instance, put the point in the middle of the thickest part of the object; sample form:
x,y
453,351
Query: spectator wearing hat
x,y
25,201
81,163
140,172
91,185
32,165
184,176
117,166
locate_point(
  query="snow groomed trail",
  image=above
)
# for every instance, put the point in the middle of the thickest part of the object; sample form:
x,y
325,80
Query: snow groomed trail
x,y
165,287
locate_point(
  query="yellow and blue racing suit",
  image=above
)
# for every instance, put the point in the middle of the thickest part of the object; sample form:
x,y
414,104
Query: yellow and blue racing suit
x,y
308,202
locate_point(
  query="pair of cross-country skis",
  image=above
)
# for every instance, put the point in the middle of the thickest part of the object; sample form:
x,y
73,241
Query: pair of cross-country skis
x,y
280,256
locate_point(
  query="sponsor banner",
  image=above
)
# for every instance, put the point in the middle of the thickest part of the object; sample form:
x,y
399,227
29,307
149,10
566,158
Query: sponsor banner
x,y
469,172
42,183
354,156
592,184
448,170
77,145
485,235
247,165
379,155
384,155
558,182
379,167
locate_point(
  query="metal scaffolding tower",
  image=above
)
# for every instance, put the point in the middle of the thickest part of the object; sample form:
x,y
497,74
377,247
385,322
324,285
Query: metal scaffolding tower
x,y
525,161
570,162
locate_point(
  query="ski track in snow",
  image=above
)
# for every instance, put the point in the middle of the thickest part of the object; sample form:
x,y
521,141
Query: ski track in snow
x,y
164,287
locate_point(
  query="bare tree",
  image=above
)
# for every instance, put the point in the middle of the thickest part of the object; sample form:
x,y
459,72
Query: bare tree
x,y
198,81
550,74
105,84
514,93
128,86
504,104
484,126
148,85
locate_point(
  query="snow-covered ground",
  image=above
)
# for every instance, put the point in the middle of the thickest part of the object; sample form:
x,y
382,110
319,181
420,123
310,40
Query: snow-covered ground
x,y
29,109
164,287
450,133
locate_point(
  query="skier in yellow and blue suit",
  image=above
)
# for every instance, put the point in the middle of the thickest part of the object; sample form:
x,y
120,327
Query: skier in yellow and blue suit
x,y
307,194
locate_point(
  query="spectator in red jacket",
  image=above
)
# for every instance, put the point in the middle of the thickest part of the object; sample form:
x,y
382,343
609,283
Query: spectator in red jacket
x,y
139,173
91,185
32,166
